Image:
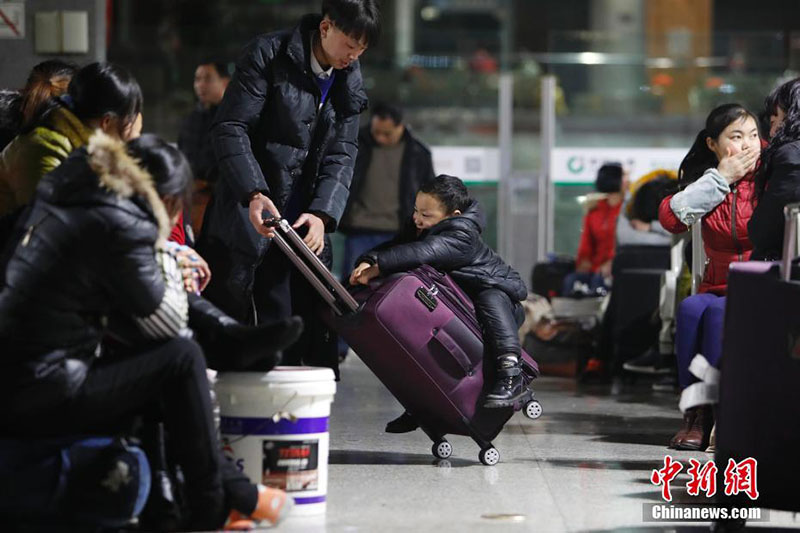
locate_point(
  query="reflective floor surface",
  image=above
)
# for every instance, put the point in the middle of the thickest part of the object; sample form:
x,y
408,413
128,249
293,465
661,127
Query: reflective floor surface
x,y
585,465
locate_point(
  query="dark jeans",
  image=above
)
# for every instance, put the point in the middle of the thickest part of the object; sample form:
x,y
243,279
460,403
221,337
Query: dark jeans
x,y
356,244
500,319
171,375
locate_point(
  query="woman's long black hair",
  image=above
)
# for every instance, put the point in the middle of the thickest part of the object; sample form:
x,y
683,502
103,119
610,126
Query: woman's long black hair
x,y
787,98
101,89
171,172
700,157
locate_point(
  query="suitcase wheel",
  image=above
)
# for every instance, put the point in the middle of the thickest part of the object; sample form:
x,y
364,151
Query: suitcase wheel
x,y
442,449
533,409
489,456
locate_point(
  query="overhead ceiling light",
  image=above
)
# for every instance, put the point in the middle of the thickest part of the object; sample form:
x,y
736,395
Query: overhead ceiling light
x,y
429,13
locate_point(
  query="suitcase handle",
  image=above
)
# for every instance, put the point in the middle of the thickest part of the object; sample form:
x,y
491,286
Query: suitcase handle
x,y
314,270
791,236
447,342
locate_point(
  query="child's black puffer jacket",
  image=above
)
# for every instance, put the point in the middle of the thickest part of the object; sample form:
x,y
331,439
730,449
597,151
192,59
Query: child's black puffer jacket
x,y
454,246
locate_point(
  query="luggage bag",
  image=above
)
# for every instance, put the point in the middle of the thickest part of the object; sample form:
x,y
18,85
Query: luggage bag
x,y
759,403
417,332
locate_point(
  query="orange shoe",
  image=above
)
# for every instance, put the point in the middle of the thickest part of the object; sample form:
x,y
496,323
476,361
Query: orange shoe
x,y
238,522
273,505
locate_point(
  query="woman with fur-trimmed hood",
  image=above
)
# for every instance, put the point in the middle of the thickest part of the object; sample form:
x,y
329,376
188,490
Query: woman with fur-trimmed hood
x,y
93,248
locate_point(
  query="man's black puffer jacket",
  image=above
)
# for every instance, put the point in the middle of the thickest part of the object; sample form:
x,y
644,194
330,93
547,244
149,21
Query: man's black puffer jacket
x,y
88,250
454,246
269,135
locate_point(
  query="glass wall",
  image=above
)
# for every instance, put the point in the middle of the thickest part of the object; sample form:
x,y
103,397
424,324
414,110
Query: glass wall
x,y
442,60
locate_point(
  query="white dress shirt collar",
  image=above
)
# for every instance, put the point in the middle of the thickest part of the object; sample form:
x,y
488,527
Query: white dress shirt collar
x,y
316,68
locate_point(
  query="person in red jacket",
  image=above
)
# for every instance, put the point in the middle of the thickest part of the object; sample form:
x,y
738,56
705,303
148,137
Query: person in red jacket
x,y
596,249
717,190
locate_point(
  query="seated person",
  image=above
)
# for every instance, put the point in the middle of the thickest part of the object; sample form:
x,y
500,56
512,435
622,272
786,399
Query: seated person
x,y
98,218
445,233
717,190
778,180
596,249
639,225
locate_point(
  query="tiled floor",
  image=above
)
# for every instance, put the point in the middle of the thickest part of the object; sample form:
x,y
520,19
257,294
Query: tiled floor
x,y
584,465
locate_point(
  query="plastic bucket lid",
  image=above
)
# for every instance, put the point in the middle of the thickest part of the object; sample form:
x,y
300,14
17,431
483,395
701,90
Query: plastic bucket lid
x,y
282,374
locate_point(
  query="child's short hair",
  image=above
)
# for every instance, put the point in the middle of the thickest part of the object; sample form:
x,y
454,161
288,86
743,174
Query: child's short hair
x,y
359,19
449,190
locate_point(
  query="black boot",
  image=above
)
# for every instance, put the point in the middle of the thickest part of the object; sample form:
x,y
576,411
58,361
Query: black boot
x,y
509,386
230,345
404,423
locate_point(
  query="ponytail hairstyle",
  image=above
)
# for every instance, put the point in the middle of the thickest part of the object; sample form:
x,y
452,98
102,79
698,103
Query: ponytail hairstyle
x,y
47,81
700,157
787,98
105,89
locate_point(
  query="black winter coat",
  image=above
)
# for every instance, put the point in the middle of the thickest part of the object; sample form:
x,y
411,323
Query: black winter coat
x,y
454,246
87,252
269,136
194,140
416,167
766,226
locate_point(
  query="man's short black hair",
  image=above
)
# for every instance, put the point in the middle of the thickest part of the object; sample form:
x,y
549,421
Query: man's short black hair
x,y
384,111
449,190
220,66
359,19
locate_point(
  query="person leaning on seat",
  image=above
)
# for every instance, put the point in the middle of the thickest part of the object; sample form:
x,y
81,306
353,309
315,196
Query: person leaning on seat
x,y
717,185
596,249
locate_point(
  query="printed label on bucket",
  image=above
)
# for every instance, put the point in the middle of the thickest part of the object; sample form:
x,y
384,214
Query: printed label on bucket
x,y
291,465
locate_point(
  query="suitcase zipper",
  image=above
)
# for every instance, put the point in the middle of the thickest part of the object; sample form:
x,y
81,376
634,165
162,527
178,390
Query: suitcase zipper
x,y
459,308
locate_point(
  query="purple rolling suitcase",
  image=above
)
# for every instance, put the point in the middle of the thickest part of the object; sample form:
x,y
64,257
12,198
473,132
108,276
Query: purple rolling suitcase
x,y
759,404
418,334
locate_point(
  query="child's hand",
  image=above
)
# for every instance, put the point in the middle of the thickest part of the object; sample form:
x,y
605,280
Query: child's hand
x,y
363,273
357,271
368,274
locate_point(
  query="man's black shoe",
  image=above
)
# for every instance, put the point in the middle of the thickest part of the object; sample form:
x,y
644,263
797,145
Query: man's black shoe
x,y
650,362
404,423
506,391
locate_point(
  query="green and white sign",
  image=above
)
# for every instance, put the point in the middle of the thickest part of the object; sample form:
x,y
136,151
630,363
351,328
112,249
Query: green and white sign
x,y
579,165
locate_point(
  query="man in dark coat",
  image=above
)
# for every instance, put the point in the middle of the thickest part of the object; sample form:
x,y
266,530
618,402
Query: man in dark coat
x,y
210,81
285,141
391,166
211,78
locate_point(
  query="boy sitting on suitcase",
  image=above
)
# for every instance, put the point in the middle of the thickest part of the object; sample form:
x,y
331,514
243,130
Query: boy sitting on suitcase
x,y
445,233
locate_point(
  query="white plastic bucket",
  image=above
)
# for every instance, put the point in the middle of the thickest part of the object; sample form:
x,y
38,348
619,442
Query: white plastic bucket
x,y
275,427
